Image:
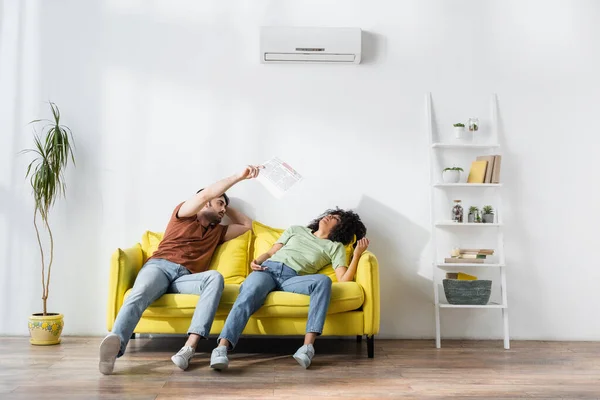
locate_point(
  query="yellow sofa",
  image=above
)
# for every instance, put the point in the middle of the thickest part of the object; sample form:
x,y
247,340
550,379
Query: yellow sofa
x,y
353,310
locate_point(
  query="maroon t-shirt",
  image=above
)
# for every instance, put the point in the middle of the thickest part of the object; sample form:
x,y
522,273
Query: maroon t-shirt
x,y
186,242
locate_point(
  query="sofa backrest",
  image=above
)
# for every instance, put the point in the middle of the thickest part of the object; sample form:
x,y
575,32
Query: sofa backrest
x,y
231,258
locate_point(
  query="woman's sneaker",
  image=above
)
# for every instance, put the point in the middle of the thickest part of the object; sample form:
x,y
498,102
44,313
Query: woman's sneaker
x,y
218,358
304,355
183,357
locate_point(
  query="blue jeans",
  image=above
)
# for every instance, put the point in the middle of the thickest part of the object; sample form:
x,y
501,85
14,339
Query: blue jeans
x,y
277,276
158,277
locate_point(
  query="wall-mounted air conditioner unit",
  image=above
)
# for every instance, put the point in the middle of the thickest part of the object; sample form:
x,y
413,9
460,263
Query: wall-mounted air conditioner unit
x,y
310,45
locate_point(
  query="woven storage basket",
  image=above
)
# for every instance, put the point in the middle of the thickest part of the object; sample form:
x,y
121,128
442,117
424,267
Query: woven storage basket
x,y
467,292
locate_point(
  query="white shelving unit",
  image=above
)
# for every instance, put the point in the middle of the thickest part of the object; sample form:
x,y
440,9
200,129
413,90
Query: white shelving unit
x,y
438,224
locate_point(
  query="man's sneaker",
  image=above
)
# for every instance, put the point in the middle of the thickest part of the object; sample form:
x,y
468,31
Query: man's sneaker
x,y
109,348
304,355
218,358
183,357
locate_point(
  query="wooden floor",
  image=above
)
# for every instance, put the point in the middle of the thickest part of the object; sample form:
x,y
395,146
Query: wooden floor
x,y
263,368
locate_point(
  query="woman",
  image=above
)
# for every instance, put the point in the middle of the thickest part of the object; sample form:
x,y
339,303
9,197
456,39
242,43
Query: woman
x,y
291,265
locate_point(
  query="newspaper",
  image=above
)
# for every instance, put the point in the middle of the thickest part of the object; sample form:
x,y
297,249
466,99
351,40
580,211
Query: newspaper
x,y
278,177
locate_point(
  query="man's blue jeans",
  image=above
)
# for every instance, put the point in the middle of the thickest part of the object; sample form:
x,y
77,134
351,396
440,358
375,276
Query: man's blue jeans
x,y
158,277
277,276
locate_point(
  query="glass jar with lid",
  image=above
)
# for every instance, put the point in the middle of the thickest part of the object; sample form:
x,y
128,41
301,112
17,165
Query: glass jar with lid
x,y
457,211
473,124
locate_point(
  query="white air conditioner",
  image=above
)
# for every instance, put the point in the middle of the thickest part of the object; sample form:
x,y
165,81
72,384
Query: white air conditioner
x,y
310,45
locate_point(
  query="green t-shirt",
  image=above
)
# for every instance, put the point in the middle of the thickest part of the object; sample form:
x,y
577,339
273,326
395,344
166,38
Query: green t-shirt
x,y
307,254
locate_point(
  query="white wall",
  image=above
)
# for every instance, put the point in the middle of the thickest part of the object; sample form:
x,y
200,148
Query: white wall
x,y
165,97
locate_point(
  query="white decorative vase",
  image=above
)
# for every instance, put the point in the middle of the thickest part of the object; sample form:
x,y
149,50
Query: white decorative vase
x,y
451,176
459,132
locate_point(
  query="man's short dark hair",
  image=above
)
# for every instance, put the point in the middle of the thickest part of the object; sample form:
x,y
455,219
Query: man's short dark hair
x,y
224,196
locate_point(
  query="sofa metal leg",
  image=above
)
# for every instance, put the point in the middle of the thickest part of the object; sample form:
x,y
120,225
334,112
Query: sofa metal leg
x,y
358,338
370,346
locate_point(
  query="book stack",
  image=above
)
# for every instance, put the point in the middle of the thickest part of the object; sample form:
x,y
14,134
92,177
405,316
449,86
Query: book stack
x,y
470,256
486,169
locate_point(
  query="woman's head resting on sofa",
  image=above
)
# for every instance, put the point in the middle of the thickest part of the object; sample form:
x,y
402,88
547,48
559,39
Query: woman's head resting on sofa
x,y
341,225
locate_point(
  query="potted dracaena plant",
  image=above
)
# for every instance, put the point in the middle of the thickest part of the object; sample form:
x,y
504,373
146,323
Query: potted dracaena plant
x,y
53,149
487,214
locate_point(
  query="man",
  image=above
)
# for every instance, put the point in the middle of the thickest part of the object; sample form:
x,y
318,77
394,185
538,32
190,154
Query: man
x,y
180,265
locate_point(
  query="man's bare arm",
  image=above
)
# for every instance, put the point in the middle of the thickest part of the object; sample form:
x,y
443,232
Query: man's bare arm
x,y
194,204
240,223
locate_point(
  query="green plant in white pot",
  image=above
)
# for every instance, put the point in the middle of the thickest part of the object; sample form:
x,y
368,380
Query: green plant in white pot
x,y
53,150
451,174
459,130
474,215
487,214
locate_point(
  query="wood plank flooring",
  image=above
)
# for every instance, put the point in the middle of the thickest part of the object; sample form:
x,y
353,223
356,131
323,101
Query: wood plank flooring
x,y
263,368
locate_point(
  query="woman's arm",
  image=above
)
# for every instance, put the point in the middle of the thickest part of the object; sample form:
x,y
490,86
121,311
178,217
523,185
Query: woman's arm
x,y
346,274
255,264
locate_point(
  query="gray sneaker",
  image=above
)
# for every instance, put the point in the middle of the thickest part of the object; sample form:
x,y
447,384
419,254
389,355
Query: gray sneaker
x,y
183,357
109,348
304,355
218,358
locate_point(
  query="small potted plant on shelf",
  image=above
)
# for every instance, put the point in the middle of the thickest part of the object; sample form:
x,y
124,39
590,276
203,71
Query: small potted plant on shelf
x,y
459,130
474,214
451,174
488,214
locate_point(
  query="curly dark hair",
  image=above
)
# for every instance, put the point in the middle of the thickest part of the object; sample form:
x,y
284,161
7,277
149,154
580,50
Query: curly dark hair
x,y
349,225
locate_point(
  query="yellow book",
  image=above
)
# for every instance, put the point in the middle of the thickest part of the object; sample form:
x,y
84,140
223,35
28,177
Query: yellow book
x,y
466,277
461,276
477,173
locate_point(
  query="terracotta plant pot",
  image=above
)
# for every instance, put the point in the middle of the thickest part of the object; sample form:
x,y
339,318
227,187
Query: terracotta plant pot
x,y
45,329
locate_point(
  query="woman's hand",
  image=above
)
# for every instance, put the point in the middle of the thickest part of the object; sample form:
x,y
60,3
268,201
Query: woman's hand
x,y
250,172
256,266
361,246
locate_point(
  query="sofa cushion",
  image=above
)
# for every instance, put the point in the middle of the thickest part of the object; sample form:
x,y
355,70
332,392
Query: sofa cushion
x,y
266,236
345,296
230,259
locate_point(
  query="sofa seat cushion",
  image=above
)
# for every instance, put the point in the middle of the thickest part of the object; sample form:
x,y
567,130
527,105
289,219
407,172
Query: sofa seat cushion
x,y
345,296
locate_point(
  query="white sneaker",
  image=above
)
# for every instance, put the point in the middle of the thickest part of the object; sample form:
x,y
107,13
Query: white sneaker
x,y
218,358
304,355
183,357
109,348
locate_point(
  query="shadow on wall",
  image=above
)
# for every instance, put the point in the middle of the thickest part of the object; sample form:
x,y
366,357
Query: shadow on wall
x,y
374,47
527,276
406,296
243,206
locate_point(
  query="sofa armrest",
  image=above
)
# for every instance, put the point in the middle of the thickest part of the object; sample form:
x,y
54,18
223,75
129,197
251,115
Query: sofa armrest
x,y
367,276
124,267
